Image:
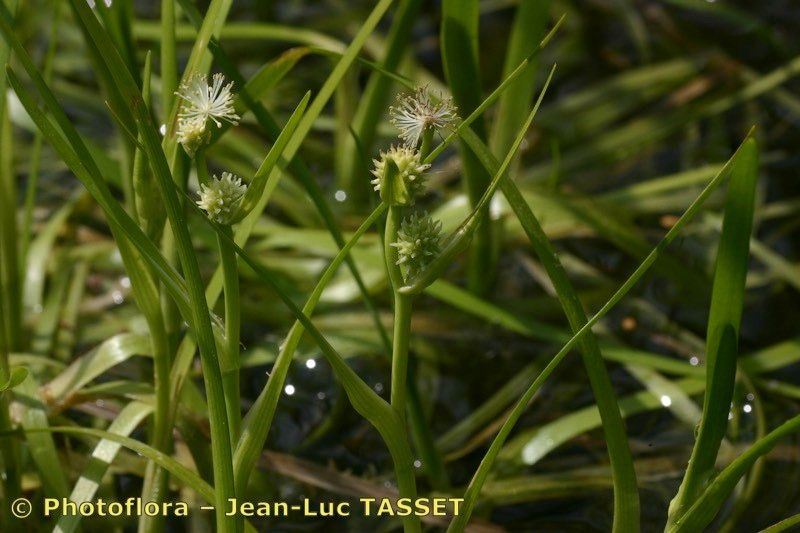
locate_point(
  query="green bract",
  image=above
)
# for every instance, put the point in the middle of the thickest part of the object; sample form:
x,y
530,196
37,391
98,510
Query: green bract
x,y
399,175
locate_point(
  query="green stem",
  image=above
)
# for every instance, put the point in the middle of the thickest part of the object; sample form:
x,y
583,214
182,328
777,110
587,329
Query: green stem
x,y
156,487
145,290
426,144
402,313
229,357
402,332
169,73
9,450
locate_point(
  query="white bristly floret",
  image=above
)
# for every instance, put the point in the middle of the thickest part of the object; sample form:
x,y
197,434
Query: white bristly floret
x,y
417,112
204,101
221,198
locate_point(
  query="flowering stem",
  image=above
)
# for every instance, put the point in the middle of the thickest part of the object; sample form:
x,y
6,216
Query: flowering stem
x,y
202,166
426,144
393,220
9,450
402,314
156,479
169,73
400,338
229,357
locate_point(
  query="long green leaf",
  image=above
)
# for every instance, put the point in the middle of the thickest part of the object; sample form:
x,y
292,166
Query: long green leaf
x,y
40,445
727,301
526,33
95,363
200,317
459,44
702,510
531,446
187,476
626,501
486,464
101,459
259,419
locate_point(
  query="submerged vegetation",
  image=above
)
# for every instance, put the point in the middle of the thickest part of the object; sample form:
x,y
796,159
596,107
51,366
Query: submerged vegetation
x,y
467,266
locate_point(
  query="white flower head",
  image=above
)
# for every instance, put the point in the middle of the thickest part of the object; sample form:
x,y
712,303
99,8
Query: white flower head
x,y
419,111
203,101
93,4
221,198
417,242
410,173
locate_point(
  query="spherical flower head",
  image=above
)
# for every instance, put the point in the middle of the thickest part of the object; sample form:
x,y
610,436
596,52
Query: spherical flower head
x,y
417,242
409,180
221,198
419,111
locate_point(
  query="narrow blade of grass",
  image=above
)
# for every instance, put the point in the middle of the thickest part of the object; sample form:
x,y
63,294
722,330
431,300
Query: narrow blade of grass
x,y
706,505
727,301
200,317
101,459
487,462
459,43
40,445
526,33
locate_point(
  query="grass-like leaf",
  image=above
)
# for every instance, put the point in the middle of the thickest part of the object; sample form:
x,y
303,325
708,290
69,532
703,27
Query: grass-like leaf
x,y
630,518
727,301
459,43
701,511
101,459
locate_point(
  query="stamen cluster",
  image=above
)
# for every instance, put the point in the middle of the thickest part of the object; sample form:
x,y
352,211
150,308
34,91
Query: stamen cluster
x,y
417,112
